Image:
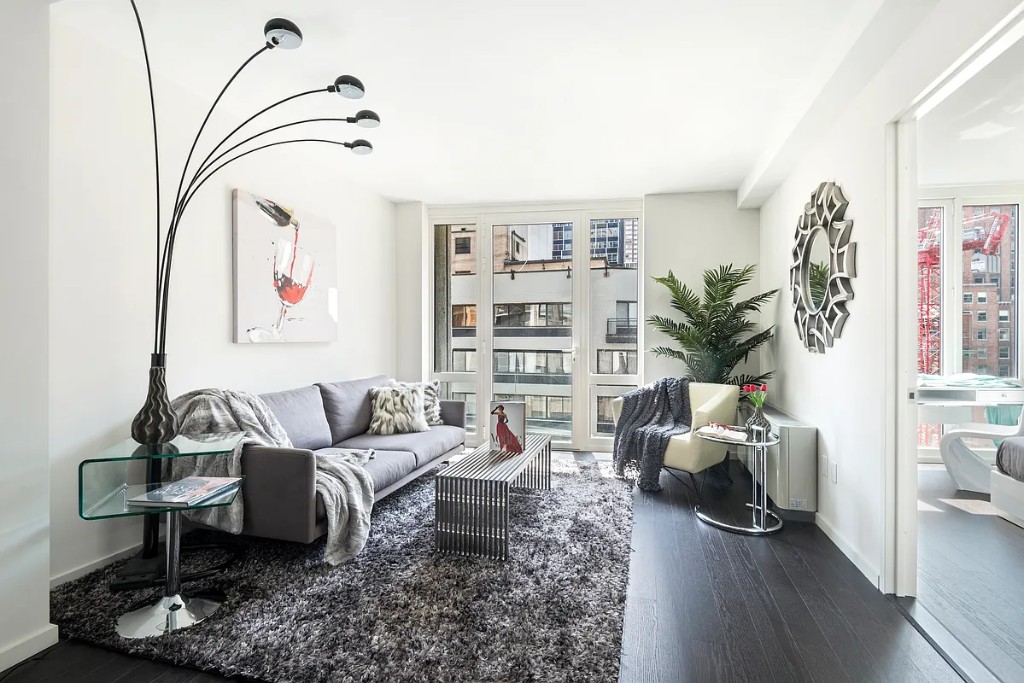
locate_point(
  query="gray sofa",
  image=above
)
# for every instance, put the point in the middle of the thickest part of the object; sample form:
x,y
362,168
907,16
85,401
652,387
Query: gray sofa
x,y
279,490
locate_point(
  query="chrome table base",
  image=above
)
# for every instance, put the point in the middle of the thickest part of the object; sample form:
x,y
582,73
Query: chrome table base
x,y
753,530
173,611
471,497
168,614
763,521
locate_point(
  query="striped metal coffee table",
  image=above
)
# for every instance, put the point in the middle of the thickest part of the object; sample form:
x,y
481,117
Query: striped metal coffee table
x,y
471,497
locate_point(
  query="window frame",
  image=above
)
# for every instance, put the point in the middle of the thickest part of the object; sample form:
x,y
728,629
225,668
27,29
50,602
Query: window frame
x,y
953,200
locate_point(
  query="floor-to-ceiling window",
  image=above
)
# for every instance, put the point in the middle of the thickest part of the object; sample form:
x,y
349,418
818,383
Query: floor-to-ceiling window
x,y
522,313
967,293
455,305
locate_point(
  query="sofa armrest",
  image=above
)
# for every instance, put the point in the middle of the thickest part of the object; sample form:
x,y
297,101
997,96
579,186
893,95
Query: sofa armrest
x,y
279,493
453,413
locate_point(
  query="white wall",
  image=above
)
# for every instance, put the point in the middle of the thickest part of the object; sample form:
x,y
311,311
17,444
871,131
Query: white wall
x,y
843,392
24,491
689,233
101,270
412,251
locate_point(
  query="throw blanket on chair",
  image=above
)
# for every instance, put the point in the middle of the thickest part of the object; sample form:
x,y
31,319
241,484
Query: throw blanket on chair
x,y
341,480
651,415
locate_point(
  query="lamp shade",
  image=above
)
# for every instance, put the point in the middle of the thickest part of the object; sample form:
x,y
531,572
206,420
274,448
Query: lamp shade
x,y
349,87
367,119
283,34
360,147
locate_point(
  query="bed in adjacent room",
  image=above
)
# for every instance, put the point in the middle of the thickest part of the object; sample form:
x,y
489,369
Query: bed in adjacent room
x,y
1008,480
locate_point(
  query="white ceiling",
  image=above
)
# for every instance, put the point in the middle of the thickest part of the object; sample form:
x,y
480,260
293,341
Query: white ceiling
x,y
521,100
976,135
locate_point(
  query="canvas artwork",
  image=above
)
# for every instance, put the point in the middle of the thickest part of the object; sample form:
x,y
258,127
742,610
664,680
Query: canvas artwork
x,y
286,275
508,425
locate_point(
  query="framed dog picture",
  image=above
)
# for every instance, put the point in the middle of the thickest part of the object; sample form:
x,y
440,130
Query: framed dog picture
x,y
508,426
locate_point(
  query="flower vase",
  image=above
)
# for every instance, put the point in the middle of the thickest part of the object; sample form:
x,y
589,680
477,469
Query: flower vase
x,y
758,425
156,423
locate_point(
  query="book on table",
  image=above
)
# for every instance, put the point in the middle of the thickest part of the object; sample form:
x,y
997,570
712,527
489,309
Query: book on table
x,y
186,492
723,432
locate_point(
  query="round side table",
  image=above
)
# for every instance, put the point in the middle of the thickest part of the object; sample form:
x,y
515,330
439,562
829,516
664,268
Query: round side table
x,y
763,521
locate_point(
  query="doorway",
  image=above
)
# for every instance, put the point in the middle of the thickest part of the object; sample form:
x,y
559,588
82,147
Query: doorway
x,y
960,190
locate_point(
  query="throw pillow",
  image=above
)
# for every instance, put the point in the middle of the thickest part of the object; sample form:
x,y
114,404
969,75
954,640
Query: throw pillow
x,y
431,399
397,410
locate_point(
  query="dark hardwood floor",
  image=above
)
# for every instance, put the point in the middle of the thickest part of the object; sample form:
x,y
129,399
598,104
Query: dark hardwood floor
x,y
703,605
969,563
77,662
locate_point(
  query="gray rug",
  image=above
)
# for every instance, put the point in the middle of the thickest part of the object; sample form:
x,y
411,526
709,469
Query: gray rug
x,y
398,612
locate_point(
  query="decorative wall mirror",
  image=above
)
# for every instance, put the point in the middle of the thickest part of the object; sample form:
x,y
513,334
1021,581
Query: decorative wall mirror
x,y
824,262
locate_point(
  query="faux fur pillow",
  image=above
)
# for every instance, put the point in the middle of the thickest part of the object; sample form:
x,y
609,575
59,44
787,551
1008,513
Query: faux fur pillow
x,y
397,410
431,399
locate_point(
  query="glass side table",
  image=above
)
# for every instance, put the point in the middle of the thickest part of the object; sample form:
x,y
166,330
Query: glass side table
x,y
763,520
109,480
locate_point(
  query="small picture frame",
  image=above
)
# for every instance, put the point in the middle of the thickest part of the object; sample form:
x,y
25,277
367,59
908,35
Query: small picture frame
x,y
508,426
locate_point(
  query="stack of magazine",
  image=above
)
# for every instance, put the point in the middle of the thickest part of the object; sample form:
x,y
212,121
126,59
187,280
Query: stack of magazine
x,y
186,493
723,432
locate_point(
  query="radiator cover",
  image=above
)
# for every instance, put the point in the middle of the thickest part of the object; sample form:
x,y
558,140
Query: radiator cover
x,y
792,472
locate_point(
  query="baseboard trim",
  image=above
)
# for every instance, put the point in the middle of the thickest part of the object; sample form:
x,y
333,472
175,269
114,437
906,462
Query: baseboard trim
x,y
89,567
802,516
967,666
27,647
866,568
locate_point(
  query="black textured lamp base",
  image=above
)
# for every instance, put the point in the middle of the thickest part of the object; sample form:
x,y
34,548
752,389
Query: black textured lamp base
x,y
157,422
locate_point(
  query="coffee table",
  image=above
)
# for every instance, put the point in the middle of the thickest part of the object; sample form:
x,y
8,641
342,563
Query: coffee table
x,y
106,484
471,497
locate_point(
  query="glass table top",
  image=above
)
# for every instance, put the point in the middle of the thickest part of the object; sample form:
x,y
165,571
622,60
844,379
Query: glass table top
x,y
104,504
180,446
767,439
108,480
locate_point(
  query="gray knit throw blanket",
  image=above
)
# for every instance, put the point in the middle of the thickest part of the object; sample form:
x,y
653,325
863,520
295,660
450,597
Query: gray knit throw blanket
x,y
342,482
650,416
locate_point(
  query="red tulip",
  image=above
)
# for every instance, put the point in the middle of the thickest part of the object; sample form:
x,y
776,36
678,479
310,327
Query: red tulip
x,y
764,387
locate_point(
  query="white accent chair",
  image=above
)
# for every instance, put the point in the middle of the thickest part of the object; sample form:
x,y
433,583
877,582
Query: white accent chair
x,y
708,403
968,470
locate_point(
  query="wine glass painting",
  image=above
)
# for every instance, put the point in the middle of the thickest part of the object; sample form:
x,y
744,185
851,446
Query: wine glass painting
x,y
285,273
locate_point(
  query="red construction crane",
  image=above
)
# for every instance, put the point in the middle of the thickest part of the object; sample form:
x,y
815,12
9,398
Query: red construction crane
x,y
929,276
929,293
929,289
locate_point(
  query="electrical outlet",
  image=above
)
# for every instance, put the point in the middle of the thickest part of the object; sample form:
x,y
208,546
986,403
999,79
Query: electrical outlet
x,y
835,472
823,465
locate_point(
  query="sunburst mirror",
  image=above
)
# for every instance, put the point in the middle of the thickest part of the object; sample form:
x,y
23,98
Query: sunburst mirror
x,y
824,263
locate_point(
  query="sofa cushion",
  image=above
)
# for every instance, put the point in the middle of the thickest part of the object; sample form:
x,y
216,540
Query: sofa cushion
x,y
347,405
425,445
301,414
397,410
385,468
431,399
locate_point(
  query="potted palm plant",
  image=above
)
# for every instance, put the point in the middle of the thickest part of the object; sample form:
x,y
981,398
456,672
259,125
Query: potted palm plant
x,y
716,332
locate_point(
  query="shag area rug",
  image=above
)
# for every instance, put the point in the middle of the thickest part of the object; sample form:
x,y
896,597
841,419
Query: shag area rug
x,y
398,611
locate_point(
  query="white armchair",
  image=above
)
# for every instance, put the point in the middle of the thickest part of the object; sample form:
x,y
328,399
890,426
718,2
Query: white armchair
x,y
968,470
709,403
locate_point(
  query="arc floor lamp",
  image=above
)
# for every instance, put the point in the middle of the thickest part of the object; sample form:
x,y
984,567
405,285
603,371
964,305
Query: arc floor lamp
x,y
156,422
